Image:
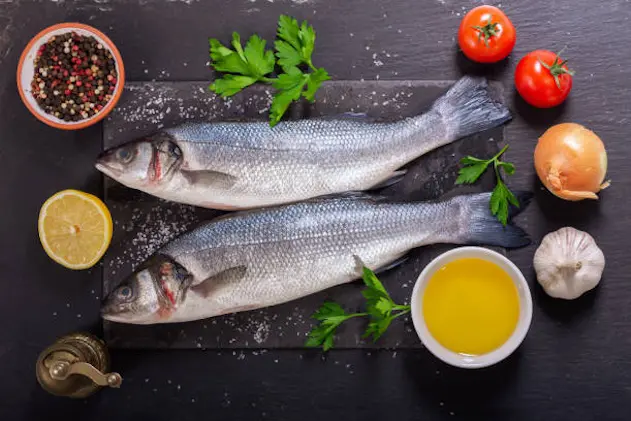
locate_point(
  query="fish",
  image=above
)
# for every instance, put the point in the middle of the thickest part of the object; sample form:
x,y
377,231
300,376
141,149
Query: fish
x,y
245,165
259,258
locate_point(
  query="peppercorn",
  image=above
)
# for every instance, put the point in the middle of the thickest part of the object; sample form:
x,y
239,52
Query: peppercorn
x,y
68,68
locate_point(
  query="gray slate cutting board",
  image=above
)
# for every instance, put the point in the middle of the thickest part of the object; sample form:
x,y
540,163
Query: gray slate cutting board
x,y
143,223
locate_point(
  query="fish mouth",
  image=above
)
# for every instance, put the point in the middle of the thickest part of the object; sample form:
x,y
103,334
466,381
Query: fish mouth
x,y
125,317
114,318
106,169
115,313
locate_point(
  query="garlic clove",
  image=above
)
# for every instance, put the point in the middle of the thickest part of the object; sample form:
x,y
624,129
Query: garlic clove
x,y
568,263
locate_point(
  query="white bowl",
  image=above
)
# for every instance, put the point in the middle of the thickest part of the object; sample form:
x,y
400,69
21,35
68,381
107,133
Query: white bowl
x,y
495,356
26,71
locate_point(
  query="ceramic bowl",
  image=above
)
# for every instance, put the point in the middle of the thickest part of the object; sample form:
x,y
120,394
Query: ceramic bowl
x,y
26,70
495,356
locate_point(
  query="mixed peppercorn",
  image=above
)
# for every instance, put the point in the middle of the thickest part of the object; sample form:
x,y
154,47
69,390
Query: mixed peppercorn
x,y
75,76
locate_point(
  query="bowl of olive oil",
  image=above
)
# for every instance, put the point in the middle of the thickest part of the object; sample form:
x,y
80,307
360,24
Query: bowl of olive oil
x,y
471,307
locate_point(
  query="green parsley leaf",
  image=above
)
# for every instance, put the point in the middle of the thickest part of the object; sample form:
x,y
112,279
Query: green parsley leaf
x,y
281,102
225,59
501,197
379,307
471,172
329,309
231,84
331,315
243,67
295,42
307,41
377,327
291,79
288,30
372,282
260,61
509,168
314,82
378,304
236,43
287,55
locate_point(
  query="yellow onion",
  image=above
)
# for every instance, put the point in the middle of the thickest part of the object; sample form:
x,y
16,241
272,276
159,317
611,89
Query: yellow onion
x,y
571,162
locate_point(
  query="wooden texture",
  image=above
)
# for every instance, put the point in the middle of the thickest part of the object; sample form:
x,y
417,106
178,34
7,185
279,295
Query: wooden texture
x,y
144,223
574,363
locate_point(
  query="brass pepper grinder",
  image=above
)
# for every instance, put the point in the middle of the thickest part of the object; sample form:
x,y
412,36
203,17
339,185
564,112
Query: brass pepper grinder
x,y
76,366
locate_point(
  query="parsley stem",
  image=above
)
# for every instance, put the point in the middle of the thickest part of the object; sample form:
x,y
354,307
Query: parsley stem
x,y
267,79
500,153
350,316
401,313
310,64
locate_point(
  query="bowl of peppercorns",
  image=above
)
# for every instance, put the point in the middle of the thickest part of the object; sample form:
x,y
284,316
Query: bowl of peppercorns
x,y
70,76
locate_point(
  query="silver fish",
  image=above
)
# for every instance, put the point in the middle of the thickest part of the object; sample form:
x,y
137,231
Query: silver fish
x,y
261,258
248,164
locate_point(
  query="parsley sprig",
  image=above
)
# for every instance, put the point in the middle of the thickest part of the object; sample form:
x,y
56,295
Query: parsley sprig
x,y
380,308
501,197
243,67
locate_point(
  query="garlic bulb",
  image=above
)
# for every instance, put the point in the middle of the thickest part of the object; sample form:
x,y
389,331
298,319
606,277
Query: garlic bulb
x,y
568,263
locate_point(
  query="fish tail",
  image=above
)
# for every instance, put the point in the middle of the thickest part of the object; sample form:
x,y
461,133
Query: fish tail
x,y
470,107
480,227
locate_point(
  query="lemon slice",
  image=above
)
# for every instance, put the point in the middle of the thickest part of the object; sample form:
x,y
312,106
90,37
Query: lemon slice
x,y
75,228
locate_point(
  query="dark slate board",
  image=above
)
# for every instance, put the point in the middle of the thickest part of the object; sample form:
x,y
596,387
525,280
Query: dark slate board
x,y
143,223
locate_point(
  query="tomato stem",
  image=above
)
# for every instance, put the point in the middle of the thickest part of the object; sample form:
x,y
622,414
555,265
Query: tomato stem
x,y
557,68
487,31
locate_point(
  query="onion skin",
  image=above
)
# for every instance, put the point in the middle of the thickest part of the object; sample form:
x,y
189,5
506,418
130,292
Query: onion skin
x,y
571,162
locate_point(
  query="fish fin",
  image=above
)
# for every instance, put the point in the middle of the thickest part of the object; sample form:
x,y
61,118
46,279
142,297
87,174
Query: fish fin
x,y
219,280
468,107
210,178
393,179
186,285
524,198
397,262
359,264
239,309
480,227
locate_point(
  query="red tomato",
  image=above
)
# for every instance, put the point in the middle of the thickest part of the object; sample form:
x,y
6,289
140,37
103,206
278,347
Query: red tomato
x,y
486,35
543,79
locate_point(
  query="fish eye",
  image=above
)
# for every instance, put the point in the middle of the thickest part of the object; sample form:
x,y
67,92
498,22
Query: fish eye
x,y
124,155
124,292
174,150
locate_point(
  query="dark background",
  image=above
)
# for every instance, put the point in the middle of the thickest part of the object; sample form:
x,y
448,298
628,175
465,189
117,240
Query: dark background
x,y
575,363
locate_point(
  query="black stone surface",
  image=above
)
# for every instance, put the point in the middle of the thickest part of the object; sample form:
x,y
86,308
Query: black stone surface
x,y
574,363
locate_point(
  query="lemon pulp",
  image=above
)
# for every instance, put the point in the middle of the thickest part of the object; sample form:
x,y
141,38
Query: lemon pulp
x,y
471,306
75,228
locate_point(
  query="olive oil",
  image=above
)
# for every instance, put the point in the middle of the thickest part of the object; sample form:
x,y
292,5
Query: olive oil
x,y
471,306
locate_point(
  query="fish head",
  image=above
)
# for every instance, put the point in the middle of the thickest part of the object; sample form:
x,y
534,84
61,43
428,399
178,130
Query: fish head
x,y
150,295
142,163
